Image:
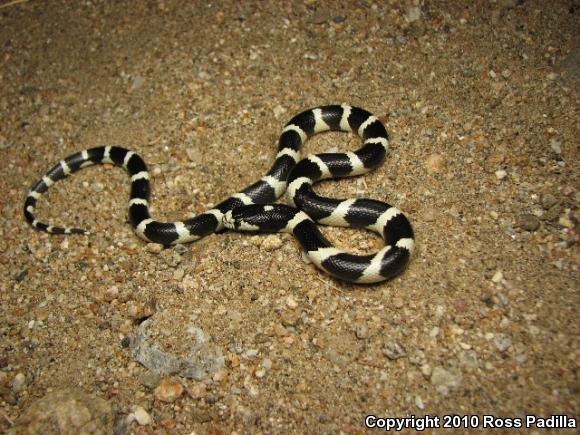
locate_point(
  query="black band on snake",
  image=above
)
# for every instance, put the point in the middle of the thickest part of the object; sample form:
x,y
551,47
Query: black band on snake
x,y
252,208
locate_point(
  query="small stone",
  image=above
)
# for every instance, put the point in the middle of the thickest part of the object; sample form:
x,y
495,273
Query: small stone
x,y
548,201
426,370
419,402
168,390
194,155
430,214
528,222
18,382
178,274
555,145
197,391
150,379
171,257
267,363
361,331
434,163
500,174
272,242
291,302
279,111
154,248
502,341
68,411
251,353
394,350
398,302
497,276
220,375
111,294
290,318
444,380
139,415
493,161
413,14
138,81
552,214
565,221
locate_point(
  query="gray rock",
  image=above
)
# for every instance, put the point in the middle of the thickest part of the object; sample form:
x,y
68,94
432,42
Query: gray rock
x,y
444,380
69,411
528,222
203,360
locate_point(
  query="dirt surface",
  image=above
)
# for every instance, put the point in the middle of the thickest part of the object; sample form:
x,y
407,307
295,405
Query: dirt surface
x,y
481,100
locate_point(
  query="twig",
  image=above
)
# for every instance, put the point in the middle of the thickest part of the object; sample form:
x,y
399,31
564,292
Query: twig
x,y
329,284
12,3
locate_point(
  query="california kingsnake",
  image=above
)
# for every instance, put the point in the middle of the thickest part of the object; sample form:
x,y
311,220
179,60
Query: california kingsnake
x,y
252,208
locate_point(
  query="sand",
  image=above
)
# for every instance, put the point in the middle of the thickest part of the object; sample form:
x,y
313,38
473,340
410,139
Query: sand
x,y
481,101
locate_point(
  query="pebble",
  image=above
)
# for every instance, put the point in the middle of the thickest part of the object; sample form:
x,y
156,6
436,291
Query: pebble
x,y
291,302
398,302
434,163
566,222
138,81
272,242
552,214
502,341
413,14
171,257
500,174
361,331
220,375
444,380
18,382
150,379
492,162
279,111
419,402
154,248
393,350
139,415
528,222
110,294
430,214
197,391
67,411
548,201
194,155
178,274
497,276
555,145
168,390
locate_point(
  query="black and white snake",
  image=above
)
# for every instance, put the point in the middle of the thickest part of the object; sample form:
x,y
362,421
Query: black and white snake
x,y
252,208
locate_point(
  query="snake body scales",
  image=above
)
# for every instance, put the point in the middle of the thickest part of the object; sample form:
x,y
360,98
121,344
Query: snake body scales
x,y
252,209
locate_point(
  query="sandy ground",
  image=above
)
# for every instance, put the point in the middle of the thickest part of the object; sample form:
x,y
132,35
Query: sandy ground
x,y
481,100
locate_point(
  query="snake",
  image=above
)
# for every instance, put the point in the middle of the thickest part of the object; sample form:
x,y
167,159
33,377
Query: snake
x,y
253,208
